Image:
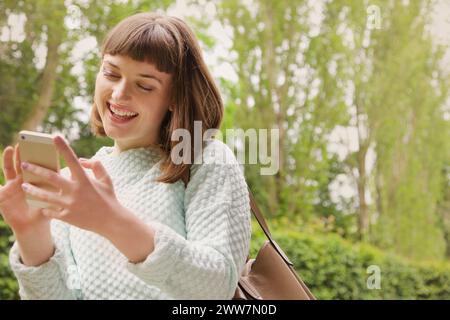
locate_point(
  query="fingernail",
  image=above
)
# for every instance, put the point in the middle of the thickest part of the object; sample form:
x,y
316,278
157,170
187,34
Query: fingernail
x,y
57,139
25,186
25,165
82,159
60,139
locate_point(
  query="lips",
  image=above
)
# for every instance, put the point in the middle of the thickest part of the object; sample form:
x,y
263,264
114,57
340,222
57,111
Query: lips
x,y
119,120
121,108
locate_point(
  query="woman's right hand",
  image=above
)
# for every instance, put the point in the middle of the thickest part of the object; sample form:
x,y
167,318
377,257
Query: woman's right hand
x,y
14,208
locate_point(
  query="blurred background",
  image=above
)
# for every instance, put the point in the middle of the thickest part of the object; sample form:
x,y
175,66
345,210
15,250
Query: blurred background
x,y
358,89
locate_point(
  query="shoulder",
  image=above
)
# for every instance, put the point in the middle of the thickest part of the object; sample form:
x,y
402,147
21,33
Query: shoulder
x,y
217,162
215,157
216,152
219,177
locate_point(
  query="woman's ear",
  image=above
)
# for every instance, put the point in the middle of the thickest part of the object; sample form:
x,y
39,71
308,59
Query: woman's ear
x,y
171,107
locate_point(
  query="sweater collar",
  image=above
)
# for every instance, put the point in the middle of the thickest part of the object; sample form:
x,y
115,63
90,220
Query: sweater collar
x,y
129,161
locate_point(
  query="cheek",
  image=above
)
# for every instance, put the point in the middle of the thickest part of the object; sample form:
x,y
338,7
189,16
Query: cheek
x,y
162,110
155,104
155,114
102,90
101,84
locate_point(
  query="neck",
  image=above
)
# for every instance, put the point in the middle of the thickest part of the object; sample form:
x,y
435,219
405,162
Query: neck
x,y
120,147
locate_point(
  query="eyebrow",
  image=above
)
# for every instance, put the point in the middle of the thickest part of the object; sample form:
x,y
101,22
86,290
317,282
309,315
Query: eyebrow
x,y
150,76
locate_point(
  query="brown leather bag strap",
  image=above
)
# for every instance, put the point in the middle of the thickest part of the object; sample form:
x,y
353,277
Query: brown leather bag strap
x,y
258,215
262,223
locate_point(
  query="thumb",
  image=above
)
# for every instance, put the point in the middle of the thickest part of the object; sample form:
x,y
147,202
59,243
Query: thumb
x,y
98,169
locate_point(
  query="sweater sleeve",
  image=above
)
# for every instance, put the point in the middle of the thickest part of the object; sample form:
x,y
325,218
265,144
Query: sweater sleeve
x,y
55,279
207,263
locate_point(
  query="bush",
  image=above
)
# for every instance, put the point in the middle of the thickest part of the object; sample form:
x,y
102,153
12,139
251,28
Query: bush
x,y
334,268
8,283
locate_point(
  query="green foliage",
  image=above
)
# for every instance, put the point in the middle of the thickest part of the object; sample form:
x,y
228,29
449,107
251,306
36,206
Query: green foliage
x,y
8,283
385,84
17,88
22,77
334,268
266,47
410,133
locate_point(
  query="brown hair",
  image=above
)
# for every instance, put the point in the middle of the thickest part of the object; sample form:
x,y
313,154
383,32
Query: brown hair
x,y
169,44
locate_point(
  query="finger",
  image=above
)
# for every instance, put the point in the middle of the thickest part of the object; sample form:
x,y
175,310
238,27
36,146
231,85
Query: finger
x,y
51,198
8,166
48,176
70,158
98,169
17,159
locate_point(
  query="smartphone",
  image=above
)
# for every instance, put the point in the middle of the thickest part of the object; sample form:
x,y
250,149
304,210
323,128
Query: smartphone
x,y
38,148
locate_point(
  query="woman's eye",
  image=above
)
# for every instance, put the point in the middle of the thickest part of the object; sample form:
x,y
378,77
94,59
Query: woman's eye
x,y
145,88
110,75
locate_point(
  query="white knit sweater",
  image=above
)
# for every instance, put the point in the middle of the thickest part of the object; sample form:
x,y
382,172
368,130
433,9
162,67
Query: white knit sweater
x,y
202,235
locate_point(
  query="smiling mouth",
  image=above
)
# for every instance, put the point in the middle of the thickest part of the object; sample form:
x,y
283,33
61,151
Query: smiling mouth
x,y
119,114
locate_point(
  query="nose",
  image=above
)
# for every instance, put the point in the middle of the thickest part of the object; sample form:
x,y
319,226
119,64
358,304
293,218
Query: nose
x,y
120,91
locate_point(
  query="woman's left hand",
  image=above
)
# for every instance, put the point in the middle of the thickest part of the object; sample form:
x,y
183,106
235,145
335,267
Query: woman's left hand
x,y
83,201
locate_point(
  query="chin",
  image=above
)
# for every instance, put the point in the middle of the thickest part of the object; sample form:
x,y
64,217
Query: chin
x,y
113,133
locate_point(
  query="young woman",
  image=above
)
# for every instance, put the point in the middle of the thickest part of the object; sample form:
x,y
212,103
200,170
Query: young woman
x,y
130,223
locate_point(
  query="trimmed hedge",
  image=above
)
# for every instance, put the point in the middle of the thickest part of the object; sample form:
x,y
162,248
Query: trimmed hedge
x,y
334,268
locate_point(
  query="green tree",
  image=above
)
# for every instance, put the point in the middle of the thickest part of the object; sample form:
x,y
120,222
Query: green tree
x,y
384,83
33,86
399,90
283,84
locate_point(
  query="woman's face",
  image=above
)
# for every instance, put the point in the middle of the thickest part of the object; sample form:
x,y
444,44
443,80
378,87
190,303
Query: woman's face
x,y
132,98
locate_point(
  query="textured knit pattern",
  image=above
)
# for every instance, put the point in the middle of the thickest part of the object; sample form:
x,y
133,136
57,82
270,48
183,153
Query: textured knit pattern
x,y
202,235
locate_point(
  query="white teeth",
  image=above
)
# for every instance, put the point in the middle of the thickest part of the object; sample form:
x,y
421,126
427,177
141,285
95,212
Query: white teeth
x,y
122,113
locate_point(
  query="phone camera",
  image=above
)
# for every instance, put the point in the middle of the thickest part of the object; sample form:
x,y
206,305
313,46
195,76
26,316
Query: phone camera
x,y
23,137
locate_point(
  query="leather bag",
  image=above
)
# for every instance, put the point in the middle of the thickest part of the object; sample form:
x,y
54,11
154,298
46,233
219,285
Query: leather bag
x,y
270,275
